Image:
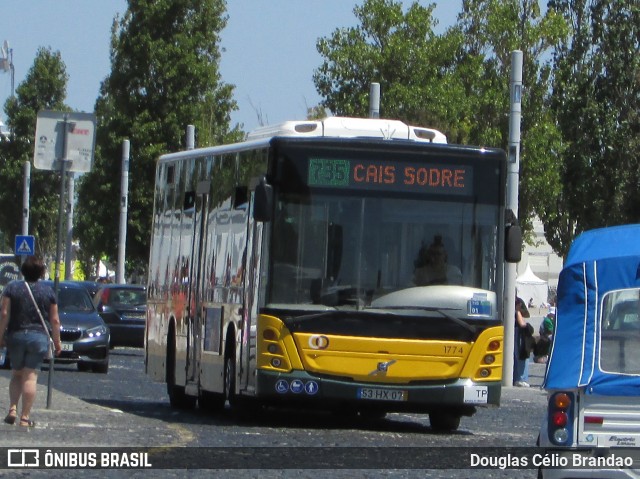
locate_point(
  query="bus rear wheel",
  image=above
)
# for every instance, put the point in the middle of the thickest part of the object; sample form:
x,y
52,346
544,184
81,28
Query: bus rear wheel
x,y
444,421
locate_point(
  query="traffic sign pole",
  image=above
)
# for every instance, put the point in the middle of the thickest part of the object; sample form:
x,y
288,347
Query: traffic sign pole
x,y
26,188
71,149
63,174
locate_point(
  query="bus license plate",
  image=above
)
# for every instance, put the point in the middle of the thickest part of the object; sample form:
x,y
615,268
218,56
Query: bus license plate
x,y
382,394
67,346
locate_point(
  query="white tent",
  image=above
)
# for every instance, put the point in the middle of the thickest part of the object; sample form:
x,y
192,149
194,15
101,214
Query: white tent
x,y
530,286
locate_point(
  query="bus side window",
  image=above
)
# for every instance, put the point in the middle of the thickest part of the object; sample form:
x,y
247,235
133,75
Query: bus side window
x,y
240,196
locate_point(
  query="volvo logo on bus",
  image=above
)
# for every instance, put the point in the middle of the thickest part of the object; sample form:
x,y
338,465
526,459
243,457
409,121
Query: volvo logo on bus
x,y
382,368
318,342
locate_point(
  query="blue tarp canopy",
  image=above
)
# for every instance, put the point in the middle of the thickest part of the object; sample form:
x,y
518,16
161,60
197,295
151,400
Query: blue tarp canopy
x,y
599,261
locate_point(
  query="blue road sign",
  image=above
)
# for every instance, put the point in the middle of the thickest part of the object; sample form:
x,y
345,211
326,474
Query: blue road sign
x,y
25,245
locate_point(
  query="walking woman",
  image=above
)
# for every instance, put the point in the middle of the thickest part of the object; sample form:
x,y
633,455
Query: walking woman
x,y
24,334
523,341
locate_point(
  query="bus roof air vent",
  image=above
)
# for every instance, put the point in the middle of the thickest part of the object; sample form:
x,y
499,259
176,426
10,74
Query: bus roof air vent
x,y
305,127
433,136
345,127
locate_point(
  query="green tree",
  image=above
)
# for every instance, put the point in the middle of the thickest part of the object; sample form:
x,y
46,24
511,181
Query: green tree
x,y
457,82
44,88
596,99
164,75
492,29
400,51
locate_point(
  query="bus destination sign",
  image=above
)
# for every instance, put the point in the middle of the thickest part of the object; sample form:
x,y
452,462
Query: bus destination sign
x,y
391,176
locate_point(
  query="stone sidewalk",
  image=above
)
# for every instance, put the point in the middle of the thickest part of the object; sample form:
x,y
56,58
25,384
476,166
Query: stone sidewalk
x,y
56,425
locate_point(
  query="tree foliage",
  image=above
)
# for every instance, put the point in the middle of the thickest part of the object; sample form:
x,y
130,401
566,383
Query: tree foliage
x,y
164,76
492,30
457,82
44,88
400,51
596,99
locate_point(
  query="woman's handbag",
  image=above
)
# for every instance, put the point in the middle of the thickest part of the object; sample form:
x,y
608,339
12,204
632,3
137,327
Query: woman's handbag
x,y
527,342
44,324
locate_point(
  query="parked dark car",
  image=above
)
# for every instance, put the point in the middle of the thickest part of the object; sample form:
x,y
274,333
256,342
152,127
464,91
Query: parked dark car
x,y
91,286
83,333
123,308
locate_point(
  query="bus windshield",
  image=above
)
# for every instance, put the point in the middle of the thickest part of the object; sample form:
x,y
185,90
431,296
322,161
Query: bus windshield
x,y
342,249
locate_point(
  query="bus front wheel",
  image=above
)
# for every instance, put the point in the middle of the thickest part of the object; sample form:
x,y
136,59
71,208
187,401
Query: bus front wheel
x,y
177,396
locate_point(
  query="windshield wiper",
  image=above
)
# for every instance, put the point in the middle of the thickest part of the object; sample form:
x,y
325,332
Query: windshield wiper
x,y
442,311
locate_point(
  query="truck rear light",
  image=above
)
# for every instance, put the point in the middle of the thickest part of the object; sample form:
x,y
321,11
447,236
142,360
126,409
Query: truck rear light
x,y
560,418
562,401
560,436
593,419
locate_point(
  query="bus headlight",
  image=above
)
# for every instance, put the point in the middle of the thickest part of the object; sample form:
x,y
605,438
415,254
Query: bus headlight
x,y
272,351
272,348
489,359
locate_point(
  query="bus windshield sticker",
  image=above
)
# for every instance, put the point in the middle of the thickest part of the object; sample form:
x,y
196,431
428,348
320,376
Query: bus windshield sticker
x,y
479,305
400,176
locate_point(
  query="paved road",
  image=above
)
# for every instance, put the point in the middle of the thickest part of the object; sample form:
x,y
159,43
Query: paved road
x,y
123,408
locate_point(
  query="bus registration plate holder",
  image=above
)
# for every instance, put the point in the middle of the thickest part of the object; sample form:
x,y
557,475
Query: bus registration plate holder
x,y
67,347
378,394
476,394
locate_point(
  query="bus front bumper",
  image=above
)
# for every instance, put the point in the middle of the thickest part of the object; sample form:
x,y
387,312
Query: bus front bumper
x,y
299,386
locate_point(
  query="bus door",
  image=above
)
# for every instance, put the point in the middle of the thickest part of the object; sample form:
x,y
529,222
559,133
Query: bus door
x,y
251,268
195,324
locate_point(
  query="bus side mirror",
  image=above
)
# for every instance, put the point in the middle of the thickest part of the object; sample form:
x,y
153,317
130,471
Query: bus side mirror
x,y
263,202
513,244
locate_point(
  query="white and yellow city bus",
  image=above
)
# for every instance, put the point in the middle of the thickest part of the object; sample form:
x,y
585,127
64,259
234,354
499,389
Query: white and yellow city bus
x,y
341,263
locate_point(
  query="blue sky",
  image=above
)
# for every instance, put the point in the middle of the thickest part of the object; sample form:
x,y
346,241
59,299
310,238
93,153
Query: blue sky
x,y
269,55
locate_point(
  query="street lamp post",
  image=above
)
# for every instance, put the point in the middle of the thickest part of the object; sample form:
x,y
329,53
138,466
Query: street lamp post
x,y
6,63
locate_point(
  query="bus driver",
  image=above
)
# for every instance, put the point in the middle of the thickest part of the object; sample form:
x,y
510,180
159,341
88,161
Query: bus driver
x,y
431,266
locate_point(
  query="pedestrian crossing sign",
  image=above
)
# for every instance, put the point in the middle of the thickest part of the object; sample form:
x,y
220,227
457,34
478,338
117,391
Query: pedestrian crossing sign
x,y
25,245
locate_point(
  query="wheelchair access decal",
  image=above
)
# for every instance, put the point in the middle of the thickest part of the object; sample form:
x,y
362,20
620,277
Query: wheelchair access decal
x,y
297,386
